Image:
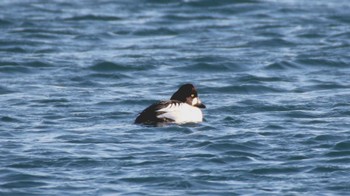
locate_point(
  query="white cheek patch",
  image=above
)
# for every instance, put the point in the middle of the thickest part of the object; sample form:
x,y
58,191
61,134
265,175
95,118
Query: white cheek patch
x,y
195,101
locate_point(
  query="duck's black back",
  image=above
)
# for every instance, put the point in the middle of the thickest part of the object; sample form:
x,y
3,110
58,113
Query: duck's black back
x,y
149,115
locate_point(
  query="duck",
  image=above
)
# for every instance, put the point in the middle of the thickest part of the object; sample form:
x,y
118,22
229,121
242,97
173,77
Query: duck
x,y
183,107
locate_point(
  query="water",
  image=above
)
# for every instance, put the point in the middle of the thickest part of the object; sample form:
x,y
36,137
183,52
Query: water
x,y
274,76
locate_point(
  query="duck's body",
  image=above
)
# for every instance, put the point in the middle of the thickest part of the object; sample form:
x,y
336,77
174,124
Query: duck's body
x,y
183,107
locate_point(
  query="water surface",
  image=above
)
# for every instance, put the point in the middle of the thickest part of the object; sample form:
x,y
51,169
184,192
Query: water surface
x,y
274,76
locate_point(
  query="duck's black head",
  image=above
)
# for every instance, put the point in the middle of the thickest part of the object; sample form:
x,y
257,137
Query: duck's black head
x,y
187,93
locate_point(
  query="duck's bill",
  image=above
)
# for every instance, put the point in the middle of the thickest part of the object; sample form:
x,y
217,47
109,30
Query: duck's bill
x,y
201,105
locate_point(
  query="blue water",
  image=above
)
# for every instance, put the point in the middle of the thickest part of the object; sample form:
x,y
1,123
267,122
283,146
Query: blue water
x,y
274,75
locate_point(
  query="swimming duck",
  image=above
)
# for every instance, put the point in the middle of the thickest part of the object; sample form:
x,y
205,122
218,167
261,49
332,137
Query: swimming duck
x,y
183,107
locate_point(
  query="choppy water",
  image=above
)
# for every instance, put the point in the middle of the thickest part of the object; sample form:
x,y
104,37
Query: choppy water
x,y
273,74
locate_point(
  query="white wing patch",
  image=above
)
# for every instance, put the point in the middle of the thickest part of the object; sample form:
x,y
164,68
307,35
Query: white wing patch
x,y
181,113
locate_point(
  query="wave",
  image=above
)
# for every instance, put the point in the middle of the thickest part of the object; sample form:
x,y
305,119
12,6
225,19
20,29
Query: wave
x,y
210,3
211,64
321,62
228,146
273,42
321,86
4,22
186,18
25,67
44,32
8,119
244,89
282,65
14,50
155,31
277,170
38,64
19,42
106,66
343,145
94,17
342,18
325,169
249,78
303,63
204,67
14,69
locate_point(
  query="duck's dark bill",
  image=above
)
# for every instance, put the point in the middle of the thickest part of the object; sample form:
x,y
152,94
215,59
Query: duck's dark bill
x,y
201,105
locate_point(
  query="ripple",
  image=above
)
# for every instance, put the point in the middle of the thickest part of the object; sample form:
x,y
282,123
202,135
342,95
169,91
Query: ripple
x,y
22,184
325,169
76,139
244,89
241,153
328,137
52,100
206,67
11,49
339,161
150,179
303,114
274,42
21,180
322,62
155,32
25,67
109,76
49,33
4,90
18,43
107,66
8,119
227,146
343,145
209,3
272,127
94,17
210,64
5,22
277,170
343,18
282,65
342,153
84,81
321,86
38,64
14,68
186,18
260,79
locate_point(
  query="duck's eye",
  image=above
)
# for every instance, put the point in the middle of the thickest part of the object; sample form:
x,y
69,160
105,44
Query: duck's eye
x,y
192,95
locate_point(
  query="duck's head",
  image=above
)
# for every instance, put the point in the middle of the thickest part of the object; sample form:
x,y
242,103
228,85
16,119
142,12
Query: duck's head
x,y
187,93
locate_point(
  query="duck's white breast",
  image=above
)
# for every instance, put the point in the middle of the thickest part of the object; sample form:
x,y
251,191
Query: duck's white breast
x,y
181,113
